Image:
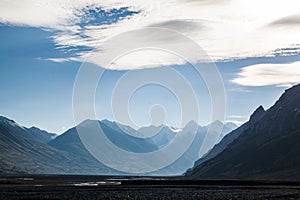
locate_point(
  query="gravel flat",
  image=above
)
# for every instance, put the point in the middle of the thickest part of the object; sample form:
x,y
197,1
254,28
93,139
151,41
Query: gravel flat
x,y
95,188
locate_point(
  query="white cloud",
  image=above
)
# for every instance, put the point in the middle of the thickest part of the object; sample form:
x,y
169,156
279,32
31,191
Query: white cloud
x,y
237,117
284,75
224,29
56,14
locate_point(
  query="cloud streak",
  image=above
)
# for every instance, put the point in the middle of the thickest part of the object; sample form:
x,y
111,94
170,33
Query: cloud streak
x,y
282,75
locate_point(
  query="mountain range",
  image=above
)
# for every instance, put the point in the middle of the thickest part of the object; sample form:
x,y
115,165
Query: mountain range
x,y
266,147
35,151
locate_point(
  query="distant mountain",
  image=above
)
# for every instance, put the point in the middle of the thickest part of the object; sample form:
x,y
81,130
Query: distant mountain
x,y
229,138
163,135
130,140
22,153
227,128
119,127
31,150
268,149
32,133
190,155
115,133
70,142
159,136
230,125
193,153
214,135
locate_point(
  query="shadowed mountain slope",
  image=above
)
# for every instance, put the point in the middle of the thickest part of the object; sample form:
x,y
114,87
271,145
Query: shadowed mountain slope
x,y
269,149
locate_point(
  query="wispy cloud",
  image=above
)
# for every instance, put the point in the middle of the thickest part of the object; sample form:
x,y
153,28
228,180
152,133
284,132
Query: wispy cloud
x,y
283,75
224,29
239,89
237,117
59,60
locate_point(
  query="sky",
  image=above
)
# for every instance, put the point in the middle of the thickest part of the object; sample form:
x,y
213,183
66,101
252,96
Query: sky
x,y
255,45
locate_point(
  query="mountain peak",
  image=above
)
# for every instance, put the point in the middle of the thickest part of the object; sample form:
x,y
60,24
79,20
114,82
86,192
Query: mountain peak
x,y
257,114
217,123
192,123
87,122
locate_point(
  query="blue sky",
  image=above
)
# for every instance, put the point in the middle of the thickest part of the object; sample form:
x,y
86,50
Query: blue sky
x,y
39,58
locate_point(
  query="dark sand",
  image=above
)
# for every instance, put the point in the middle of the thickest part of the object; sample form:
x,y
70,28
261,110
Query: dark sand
x,y
82,187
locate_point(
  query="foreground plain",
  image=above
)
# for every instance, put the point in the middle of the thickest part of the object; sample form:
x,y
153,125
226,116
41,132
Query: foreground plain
x,y
88,187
